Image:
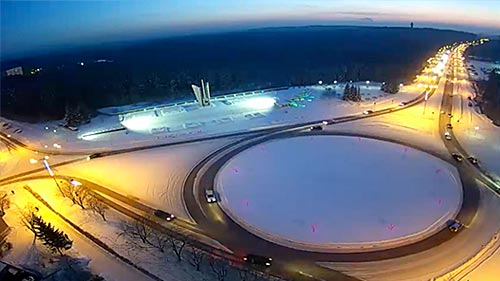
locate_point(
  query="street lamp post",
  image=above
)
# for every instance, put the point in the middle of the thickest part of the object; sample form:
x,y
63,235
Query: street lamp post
x,y
47,167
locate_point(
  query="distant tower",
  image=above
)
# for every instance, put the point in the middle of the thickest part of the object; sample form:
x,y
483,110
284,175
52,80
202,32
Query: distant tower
x,y
202,93
411,25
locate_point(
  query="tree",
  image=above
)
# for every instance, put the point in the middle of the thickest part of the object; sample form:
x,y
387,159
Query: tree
x,y
390,87
346,92
54,239
177,245
137,230
29,219
82,196
246,274
219,267
4,202
159,240
97,207
197,256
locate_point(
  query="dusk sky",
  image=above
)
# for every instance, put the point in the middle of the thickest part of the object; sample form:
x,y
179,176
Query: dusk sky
x,y
33,26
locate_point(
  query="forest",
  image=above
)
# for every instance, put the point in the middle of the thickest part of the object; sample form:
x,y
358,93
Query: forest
x,y
163,69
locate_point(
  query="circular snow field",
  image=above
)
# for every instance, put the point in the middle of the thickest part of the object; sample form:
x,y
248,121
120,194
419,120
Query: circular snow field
x,y
336,193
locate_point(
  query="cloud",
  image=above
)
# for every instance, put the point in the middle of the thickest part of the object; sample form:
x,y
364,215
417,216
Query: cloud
x,y
354,13
366,19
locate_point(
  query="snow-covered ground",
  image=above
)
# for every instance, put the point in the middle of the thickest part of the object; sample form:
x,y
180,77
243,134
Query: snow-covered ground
x,y
26,254
227,114
325,192
488,270
479,70
475,132
15,161
417,125
155,176
163,265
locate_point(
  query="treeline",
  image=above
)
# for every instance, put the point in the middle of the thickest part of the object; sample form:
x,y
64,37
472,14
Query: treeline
x,y
489,90
165,69
489,96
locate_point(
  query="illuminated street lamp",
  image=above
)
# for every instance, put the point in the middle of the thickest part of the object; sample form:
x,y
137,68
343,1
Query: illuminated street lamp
x,y
47,167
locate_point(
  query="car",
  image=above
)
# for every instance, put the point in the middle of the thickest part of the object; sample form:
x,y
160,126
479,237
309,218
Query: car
x,y
316,128
403,103
164,215
450,115
368,111
449,126
95,155
258,260
472,160
447,136
455,225
457,157
442,112
210,196
325,122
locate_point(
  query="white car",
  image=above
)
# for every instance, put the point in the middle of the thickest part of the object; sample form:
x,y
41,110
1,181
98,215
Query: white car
x,y
447,136
210,196
368,111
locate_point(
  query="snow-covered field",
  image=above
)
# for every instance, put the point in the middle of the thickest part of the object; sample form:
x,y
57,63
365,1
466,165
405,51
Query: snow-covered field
x,y
479,70
325,192
227,114
155,176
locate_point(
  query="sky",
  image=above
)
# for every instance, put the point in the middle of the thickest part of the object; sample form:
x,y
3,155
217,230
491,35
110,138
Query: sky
x,y
31,26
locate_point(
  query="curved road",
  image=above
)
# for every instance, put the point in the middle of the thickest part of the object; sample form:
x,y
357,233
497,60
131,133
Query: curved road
x,y
222,228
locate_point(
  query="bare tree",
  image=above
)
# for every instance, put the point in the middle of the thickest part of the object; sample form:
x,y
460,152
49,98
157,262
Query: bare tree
x,y
246,274
4,202
82,196
159,240
219,267
68,191
97,207
177,245
197,256
137,229
29,218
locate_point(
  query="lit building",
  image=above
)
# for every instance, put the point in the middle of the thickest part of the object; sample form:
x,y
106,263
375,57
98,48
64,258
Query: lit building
x,y
14,71
202,94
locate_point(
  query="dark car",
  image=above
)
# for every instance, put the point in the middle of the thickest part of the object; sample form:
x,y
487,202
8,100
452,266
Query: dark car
x,y
472,160
164,215
316,128
450,115
454,225
449,126
95,155
457,157
258,260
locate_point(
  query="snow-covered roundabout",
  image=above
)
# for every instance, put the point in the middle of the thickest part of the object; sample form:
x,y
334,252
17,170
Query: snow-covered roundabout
x,y
330,193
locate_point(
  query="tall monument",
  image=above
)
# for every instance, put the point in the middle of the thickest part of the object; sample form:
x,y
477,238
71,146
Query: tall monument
x,y
202,93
